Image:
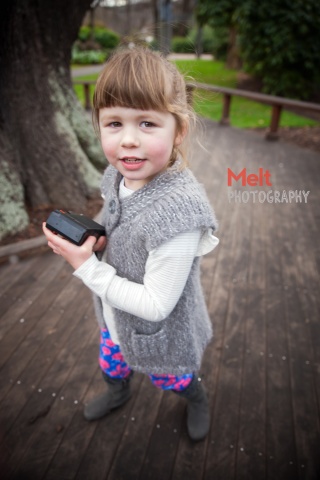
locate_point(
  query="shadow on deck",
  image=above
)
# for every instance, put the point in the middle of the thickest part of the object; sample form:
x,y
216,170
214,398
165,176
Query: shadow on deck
x,y
262,370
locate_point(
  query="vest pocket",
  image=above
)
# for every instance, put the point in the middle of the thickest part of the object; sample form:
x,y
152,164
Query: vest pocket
x,y
150,345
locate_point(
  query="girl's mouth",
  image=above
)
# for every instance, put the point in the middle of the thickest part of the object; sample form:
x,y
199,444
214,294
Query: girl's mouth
x,y
132,163
131,160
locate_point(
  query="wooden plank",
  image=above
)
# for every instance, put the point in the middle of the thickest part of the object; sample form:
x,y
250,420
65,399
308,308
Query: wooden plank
x,y
77,435
22,296
61,391
304,397
43,294
10,273
191,458
223,447
259,238
36,370
251,456
168,425
98,458
29,363
232,273
128,462
281,446
223,440
310,304
19,290
296,221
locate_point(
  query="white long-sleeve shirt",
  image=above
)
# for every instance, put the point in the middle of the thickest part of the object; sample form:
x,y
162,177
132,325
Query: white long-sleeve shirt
x,y
166,272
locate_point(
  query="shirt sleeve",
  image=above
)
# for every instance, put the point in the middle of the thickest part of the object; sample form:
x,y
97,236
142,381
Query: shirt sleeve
x,y
166,273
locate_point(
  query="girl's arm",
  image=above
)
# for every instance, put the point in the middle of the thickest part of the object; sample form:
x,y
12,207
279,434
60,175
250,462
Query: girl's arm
x,y
167,270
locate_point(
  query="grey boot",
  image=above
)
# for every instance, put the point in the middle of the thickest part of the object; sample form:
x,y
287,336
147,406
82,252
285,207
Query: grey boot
x,y
117,394
198,415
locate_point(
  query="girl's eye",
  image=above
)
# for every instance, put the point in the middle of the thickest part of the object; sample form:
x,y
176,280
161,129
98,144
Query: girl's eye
x,y
147,124
114,124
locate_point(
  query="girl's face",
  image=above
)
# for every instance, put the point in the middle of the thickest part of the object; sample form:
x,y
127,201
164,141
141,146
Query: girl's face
x,y
138,143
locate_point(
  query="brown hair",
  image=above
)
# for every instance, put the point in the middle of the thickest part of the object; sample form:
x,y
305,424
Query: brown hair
x,y
143,79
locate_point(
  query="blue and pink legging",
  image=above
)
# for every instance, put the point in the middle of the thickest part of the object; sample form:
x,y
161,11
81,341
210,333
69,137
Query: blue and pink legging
x,y
113,364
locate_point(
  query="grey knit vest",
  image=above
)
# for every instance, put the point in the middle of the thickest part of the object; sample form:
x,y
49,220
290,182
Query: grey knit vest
x,y
172,203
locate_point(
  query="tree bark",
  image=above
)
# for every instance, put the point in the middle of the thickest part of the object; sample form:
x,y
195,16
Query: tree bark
x,y
233,54
48,152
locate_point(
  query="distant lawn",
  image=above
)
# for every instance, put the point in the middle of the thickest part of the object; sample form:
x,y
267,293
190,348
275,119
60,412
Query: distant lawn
x,y
79,90
244,113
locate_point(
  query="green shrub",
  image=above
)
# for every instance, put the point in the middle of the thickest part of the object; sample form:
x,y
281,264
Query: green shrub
x,y
207,38
84,33
220,43
88,57
281,45
182,45
105,37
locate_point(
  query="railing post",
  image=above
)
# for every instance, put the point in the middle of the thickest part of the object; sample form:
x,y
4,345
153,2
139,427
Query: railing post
x,y
272,133
225,119
87,101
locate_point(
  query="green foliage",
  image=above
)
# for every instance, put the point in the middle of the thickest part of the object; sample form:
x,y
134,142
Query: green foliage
x,y
105,37
219,13
93,49
214,41
279,40
84,33
88,57
211,41
182,45
220,42
281,44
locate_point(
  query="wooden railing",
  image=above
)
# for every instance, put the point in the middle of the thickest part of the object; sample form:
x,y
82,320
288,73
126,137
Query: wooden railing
x,y
277,103
86,90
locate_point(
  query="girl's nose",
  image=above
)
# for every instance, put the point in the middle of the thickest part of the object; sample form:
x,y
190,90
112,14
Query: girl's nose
x,y
130,138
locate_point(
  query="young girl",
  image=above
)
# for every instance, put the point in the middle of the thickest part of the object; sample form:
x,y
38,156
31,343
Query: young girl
x,y
145,277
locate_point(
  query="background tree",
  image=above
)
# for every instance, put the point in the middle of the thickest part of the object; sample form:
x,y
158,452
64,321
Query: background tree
x,y
280,43
278,40
222,16
48,152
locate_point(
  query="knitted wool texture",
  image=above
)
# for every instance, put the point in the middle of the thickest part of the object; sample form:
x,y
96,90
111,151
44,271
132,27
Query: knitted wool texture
x,y
172,203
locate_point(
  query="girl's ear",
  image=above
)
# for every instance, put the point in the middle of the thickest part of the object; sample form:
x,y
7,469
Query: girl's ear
x,y
181,136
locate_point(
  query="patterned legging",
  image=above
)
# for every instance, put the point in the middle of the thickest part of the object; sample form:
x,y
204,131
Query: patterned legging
x,y
113,364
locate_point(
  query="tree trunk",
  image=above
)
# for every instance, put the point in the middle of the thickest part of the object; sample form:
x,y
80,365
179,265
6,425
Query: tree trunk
x,y
199,40
233,55
48,151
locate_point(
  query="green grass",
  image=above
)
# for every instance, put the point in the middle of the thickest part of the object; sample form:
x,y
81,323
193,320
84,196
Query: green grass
x,y
244,113
79,90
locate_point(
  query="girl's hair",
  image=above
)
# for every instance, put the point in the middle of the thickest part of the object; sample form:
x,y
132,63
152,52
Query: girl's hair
x,y
143,79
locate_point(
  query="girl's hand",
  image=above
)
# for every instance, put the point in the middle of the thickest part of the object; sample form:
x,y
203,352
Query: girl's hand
x,y
100,245
73,254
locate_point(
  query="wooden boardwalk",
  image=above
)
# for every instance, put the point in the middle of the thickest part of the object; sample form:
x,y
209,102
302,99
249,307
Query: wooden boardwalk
x,y
262,370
